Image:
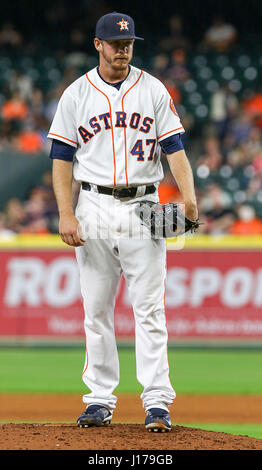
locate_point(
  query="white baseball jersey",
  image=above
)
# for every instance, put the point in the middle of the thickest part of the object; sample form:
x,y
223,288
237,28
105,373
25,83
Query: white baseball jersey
x,y
117,135
132,121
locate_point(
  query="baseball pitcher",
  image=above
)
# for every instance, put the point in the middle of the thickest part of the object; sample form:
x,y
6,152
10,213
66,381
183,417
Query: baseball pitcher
x,y
109,130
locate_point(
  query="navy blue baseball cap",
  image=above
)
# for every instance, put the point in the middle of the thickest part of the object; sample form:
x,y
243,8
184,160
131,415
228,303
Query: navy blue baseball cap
x,y
116,26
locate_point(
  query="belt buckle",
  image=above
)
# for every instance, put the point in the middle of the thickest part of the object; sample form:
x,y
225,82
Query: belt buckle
x,y
117,193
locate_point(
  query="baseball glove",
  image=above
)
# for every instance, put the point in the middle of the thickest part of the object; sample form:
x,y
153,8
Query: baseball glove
x,y
165,220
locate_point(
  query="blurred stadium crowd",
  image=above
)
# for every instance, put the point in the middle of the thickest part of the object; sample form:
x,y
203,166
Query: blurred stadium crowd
x,y
215,85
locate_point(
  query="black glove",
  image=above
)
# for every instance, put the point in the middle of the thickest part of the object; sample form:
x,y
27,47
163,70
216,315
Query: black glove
x,y
166,220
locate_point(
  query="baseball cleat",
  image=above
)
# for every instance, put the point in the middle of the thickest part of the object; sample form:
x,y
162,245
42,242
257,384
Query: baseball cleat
x,y
94,415
157,420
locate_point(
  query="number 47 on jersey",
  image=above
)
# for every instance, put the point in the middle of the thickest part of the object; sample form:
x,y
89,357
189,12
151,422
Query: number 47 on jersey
x,y
138,149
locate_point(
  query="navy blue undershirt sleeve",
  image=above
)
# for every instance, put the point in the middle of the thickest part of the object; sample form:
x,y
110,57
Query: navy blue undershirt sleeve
x,y
62,151
172,144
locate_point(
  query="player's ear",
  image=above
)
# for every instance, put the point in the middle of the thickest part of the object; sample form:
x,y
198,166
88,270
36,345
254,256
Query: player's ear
x,y
98,44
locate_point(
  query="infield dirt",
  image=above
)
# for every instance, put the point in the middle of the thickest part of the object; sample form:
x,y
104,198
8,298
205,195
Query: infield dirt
x,y
52,424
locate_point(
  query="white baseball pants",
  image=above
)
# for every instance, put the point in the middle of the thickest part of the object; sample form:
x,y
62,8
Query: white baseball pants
x,y
107,225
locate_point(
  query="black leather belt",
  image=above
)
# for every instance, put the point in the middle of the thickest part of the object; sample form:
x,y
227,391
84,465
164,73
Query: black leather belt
x,y
119,193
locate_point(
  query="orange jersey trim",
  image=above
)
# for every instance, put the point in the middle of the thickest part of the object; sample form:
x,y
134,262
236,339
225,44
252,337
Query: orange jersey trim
x,y
111,122
134,84
62,137
170,132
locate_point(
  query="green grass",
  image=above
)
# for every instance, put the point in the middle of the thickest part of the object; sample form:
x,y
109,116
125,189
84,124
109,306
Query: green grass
x,y
191,371
251,430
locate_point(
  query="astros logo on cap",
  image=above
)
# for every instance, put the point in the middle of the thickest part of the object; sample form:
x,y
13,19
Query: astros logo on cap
x,y
123,24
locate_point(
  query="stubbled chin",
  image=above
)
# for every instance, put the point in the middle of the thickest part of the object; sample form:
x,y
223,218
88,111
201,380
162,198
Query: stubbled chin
x,y
120,65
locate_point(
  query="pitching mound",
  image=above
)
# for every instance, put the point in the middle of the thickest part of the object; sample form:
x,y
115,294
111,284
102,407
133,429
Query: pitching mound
x,y
117,437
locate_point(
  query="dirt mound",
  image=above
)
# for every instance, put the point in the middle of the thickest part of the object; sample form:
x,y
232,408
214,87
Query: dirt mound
x,y
127,430
117,437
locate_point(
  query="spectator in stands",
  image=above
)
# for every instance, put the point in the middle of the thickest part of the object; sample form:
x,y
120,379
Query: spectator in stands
x,y
254,193
176,38
15,108
173,90
247,222
29,141
240,128
215,201
35,209
4,231
160,64
52,99
159,69
7,131
22,83
253,107
211,156
178,71
257,164
37,119
46,188
220,36
235,157
36,106
223,108
10,36
254,186
16,218
78,39
222,224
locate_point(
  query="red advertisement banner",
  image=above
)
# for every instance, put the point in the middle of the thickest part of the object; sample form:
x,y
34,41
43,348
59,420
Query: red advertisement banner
x,y
215,293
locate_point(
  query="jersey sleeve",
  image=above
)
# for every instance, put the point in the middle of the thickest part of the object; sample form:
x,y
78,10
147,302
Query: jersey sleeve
x,y
167,120
62,151
172,144
63,126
